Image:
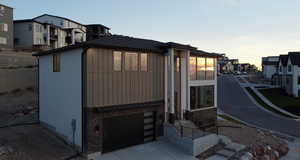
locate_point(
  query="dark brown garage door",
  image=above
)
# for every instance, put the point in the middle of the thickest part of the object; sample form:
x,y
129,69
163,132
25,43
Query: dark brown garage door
x,y
123,131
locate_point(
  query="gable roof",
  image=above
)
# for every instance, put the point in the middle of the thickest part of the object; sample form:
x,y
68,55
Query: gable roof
x,y
26,20
6,6
295,58
119,42
60,18
284,59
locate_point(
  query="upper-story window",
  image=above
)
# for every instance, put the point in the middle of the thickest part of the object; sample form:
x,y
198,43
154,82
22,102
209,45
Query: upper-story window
x,y
177,69
289,68
131,61
56,63
144,62
202,68
117,61
193,68
30,27
3,27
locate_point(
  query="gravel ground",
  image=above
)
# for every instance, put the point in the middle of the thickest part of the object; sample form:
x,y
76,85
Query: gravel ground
x,y
249,136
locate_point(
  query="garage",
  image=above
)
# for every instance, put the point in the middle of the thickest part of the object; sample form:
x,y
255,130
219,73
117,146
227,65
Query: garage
x,y
129,130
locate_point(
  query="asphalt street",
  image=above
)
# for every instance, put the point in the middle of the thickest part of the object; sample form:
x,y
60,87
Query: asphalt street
x,y
233,100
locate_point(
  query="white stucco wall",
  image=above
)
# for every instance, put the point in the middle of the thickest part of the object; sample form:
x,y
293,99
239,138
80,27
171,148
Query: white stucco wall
x,y
60,94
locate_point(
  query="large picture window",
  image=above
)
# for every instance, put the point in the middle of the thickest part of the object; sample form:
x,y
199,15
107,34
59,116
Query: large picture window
x,y
144,62
210,73
193,68
201,97
117,61
131,61
202,68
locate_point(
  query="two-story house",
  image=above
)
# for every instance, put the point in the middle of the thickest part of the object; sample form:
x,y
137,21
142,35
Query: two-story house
x,y
269,66
47,32
282,71
119,91
6,27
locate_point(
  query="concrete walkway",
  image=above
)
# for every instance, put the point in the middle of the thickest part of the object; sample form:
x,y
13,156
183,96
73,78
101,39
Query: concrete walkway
x,y
158,150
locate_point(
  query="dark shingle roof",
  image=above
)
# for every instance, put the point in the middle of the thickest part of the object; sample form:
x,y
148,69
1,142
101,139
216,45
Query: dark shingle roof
x,y
101,25
295,58
59,17
270,63
129,44
284,59
203,53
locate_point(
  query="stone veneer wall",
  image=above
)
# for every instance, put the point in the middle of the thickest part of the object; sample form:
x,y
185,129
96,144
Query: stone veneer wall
x,y
94,124
203,118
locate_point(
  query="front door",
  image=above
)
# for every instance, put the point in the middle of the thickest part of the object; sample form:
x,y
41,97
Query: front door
x,y
177,88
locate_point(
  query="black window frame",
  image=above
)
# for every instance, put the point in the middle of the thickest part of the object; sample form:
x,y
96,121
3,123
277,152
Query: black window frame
x,y
195,93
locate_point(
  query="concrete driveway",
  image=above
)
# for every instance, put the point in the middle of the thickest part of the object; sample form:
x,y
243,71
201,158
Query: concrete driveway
x,y
158,150
233,100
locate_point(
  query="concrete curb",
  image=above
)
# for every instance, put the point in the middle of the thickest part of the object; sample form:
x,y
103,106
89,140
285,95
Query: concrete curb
x,y
257,104
272,105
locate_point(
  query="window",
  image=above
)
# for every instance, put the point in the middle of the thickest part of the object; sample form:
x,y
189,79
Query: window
x,y
201,68
144,62
299,80
56,63
280,69
193,62
290,68
117,61
210,67
3,40
177,64
3,27
201,97
131,61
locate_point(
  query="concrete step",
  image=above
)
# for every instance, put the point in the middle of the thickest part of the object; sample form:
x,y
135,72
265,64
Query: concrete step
x,y
226,153
235,147
217,157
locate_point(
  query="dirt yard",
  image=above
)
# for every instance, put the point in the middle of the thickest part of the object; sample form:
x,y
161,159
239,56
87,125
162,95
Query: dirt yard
x,y
26,142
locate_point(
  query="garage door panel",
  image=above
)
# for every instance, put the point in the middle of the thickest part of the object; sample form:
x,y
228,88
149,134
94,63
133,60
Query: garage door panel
x,y
120,132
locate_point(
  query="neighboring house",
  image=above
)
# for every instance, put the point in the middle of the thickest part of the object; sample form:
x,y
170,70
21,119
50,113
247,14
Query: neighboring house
x,y
226,65
95,31
118,91
292,75
6,27
31,34
48,32
269,66
281,76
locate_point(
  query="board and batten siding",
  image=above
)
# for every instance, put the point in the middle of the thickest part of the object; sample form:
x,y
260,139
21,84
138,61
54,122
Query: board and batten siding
x,y
106,87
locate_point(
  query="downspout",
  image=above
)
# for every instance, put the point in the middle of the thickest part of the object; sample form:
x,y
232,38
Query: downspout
x,y
83,100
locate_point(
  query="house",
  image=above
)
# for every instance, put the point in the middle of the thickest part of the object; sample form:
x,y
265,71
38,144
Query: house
x,y
6,27
94,31
290,73
269,66
32,34
119,91
280,79
47,32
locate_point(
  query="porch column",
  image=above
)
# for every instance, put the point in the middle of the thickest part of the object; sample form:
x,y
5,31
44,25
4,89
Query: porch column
x,y
167,57
184,80
188,81
171,80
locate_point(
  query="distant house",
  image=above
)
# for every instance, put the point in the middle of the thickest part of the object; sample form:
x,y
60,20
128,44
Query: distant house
x,y
6,27
94,31
118,91
280,80
269,66
48,32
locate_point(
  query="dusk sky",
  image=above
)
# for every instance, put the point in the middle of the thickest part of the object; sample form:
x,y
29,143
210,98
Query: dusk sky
x,y
244,29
